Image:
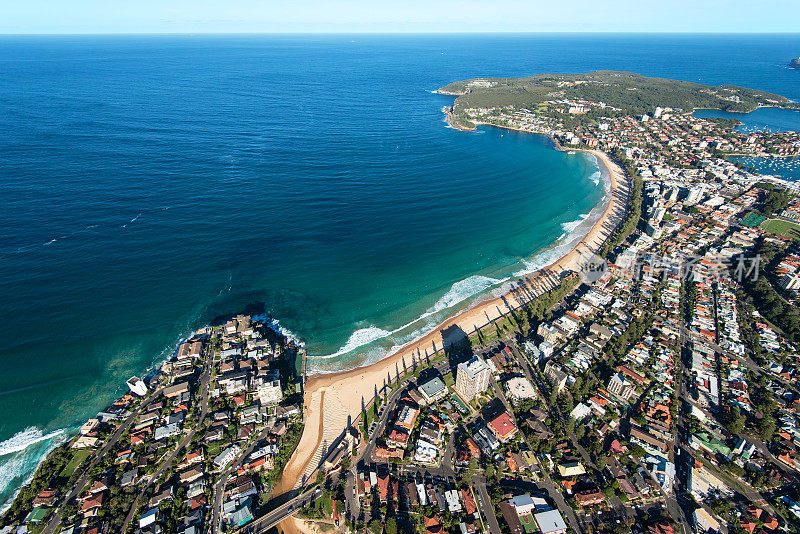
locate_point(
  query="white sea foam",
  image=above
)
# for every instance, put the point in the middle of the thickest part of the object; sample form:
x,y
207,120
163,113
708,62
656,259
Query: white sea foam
x,y
359,338
278,328
461,291
468,288
571,226
24,439
458,292
20,457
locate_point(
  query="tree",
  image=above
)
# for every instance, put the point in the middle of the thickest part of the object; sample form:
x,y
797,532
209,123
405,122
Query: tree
x,y
469,474
735,421
391,525
375,526
601,461
766,428
637,451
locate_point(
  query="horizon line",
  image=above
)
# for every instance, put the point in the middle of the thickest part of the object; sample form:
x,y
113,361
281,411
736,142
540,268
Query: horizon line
x,y
397,33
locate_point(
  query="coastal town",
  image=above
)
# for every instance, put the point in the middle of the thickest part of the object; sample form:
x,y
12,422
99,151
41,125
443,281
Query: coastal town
x,y
649,388
201,441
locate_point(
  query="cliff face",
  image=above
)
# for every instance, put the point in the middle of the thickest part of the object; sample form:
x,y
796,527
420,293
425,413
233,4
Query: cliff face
x,y
795,63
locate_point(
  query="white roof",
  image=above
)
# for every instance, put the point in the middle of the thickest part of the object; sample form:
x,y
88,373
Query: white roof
x,y
550,521
474,366
148,518
521,501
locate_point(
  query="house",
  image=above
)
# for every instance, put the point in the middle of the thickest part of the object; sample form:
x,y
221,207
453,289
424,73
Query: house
x,y
705,522
523,504
177,390
45,498
269,391
520,388
571,469
129,478
85,442
453,502
511,518
433,390
89,426
621,386
189,476
226,456
555,375
406,418
503,427
190,349
148,518
550,522
589,498
167,431
425,452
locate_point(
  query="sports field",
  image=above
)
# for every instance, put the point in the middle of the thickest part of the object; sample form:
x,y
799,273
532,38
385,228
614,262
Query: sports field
x,y
784,228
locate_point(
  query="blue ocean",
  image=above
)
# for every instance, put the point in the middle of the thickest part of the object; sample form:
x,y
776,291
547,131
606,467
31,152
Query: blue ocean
x,y
152,183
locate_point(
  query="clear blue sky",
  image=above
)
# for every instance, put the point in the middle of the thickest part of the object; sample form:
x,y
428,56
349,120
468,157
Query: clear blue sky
x,y
352,16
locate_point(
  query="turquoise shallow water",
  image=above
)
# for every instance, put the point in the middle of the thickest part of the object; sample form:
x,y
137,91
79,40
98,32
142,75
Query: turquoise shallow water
x,y
152,183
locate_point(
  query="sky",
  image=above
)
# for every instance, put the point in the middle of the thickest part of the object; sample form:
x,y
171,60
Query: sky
x,y
403,16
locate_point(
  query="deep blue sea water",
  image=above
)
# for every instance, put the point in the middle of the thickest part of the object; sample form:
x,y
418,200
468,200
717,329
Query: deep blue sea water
x,y
151,183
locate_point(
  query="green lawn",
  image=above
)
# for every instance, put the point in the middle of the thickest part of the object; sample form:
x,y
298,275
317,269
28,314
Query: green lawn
x,y
782,228
77,458
449,381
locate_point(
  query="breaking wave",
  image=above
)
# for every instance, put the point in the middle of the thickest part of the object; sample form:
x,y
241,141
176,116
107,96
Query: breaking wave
x,y
24,439
458,293
21,454
570,227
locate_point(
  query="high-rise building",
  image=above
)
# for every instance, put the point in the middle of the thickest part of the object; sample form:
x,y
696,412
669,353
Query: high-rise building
x,y
472,378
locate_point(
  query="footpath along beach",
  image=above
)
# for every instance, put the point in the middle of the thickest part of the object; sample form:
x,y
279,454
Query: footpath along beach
x,y
332,401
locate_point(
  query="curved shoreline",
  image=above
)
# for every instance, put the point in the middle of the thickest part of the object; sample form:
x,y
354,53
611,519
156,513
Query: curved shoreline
x,y
568,238
346,392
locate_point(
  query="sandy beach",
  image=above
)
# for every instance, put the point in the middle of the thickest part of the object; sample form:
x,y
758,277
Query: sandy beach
x,y
334,400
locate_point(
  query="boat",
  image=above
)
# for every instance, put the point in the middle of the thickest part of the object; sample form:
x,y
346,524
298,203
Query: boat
x,y
137,386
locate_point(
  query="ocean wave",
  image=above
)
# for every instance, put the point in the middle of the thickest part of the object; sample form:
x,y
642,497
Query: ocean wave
x,y
595,177
571,226
461,291
458,293
359,338
274,325
24,439
22,458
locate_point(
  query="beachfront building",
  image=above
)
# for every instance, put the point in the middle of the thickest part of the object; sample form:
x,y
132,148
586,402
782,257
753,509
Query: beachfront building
x,y
472,378
269,391
433,390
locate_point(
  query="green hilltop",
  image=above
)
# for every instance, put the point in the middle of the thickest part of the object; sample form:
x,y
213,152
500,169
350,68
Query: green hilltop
x,y
626,93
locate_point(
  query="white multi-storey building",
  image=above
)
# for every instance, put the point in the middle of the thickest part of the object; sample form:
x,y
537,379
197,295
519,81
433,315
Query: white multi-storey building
x,y
472,378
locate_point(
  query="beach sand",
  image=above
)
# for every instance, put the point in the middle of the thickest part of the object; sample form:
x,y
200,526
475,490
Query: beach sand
x,y
333,401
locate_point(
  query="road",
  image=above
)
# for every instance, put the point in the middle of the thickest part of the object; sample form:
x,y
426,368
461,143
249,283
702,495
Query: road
x,y
219,487
55,521
487,507
274,517
388,408
205,379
